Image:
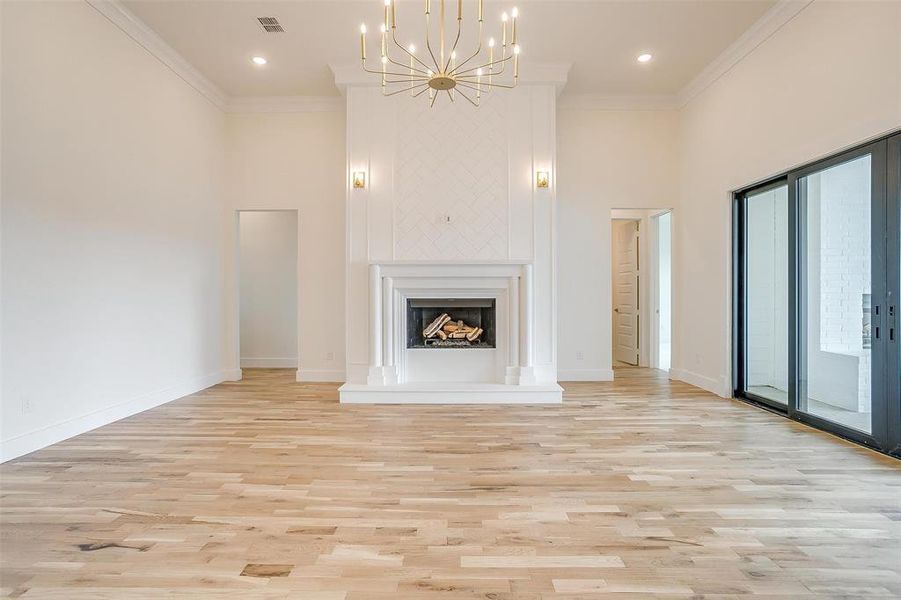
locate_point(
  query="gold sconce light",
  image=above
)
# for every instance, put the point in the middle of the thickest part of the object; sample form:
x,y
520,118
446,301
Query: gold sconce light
x,y
359,180
542,179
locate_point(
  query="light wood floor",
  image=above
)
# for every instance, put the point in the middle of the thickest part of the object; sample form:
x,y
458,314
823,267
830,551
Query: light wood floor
x,y
268,489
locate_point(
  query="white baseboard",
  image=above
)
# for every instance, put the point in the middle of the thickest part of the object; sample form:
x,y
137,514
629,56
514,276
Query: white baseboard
x,y
51,434
327,375
232,375
714,386
268,363
585,374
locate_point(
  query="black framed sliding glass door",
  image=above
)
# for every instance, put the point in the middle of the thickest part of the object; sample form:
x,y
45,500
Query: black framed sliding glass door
x,y
817,271
840,218
763,217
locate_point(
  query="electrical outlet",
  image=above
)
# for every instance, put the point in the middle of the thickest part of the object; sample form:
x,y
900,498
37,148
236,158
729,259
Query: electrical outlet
x,y
27,404
579,355
329,356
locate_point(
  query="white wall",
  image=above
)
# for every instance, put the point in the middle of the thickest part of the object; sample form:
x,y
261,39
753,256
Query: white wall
x,y
829,78
294,161
268,288
607,159
111,227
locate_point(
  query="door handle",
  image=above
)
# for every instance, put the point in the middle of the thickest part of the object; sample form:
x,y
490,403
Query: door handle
x,y
615,310
891,323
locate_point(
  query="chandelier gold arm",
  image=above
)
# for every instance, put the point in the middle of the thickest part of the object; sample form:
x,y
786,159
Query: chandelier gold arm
x,y
403,66
488,65
459,30
420,77
407,89
410,54
471,101
476,53
428,38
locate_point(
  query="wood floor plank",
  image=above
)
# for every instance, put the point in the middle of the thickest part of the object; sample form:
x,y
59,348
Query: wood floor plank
x,y
269,489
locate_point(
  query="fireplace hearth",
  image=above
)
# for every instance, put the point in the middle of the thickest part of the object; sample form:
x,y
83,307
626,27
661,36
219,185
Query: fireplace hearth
x,y
451,323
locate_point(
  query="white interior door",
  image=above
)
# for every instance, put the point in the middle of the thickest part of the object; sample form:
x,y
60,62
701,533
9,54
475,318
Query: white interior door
x,y
625,292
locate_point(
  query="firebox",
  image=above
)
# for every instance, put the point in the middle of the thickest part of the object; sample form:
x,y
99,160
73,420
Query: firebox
x,y
451,323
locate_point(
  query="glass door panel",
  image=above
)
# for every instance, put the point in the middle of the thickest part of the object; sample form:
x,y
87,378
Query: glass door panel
x,y
836,301
766,300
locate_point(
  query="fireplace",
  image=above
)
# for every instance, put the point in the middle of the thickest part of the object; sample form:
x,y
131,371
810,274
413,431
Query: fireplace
x,y
451,323
490,360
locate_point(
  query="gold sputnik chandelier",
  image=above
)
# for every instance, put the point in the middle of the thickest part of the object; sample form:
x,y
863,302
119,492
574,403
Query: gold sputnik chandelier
x,y
439,70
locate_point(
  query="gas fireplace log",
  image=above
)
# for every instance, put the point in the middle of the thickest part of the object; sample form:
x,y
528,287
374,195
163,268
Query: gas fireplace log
x,y
435,326
474,334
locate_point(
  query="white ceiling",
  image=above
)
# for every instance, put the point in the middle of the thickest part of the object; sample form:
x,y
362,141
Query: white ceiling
x,y
600,38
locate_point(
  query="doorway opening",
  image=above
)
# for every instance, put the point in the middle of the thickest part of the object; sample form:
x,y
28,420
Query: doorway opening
x,y
267,289
641,287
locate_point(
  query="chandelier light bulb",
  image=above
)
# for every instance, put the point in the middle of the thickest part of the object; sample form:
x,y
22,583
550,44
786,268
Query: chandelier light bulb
x,y
411,48
363,28
384,60
453,56
516,49
504,17
479,72
491,42
387,2
515,12
382,28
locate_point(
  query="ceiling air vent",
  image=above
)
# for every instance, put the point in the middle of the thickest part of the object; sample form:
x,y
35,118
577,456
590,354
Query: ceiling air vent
x,y
270,24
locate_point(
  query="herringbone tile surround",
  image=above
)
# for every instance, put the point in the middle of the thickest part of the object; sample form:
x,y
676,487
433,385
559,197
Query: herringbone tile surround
x,y
268,489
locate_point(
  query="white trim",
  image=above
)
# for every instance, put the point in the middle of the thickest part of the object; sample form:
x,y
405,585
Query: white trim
x,y
585,375
320,375
232,375
268,363
714,386
771,22
51,434
284,104
614,102
148,39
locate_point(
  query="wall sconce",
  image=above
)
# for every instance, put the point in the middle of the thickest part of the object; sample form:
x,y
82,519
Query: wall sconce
x,y
542,179
359,180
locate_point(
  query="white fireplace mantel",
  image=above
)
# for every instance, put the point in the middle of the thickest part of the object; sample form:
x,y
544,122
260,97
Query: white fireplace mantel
x,y
508,282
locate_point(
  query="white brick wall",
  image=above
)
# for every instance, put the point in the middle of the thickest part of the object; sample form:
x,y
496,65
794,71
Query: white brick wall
x,y
839,274
768,289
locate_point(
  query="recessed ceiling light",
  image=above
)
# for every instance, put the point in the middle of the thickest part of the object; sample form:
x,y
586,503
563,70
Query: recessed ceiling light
x,y
643,58
259,60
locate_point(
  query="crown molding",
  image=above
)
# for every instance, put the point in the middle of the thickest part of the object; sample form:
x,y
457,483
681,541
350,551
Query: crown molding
x,y
618,102
350,74
148,39
531,73
284,104
771,22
